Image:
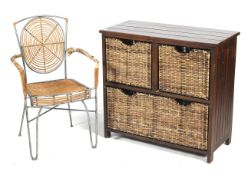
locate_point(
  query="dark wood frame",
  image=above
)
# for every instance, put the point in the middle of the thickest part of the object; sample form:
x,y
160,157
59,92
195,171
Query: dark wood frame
x,y
220,102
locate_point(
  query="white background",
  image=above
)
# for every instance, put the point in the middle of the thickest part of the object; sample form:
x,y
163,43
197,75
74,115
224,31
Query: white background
x,y
65,150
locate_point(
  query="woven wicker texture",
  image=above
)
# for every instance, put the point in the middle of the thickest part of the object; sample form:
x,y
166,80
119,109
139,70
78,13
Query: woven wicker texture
x,y
128,64
42,42
184,73
158,118
57,92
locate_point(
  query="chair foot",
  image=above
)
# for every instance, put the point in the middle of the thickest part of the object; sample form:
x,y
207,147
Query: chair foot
x,y
29,136
93,145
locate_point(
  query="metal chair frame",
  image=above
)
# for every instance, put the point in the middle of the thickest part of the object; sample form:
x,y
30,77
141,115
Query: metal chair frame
x,y
48,108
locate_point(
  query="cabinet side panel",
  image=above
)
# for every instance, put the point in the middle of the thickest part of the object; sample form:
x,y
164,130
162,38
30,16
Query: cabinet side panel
x,y
225,89
106,133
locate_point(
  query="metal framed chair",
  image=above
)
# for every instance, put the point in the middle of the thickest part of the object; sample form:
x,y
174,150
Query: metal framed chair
x,y
43,46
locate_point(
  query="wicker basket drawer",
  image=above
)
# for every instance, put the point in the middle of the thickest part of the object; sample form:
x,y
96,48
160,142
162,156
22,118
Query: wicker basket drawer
x,y
184,71
128,62
164,119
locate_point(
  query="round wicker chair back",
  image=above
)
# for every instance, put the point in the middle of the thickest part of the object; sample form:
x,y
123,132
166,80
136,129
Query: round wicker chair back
x,y
43,44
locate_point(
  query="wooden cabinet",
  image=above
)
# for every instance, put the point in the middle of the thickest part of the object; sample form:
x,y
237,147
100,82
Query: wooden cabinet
x,y
169,85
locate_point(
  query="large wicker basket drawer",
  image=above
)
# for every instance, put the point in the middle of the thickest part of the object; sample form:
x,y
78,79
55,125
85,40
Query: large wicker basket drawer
x,y
160,118
184,71
128,62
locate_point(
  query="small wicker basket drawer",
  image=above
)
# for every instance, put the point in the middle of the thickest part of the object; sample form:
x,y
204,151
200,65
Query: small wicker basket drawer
x,y
184,71
128,62
165,119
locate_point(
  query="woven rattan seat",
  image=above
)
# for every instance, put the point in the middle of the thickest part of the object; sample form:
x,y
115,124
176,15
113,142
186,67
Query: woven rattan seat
x,y
43,46
57,92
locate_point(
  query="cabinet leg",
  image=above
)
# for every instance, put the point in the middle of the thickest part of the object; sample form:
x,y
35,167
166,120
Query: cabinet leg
x,y
107,134
228,141
210,157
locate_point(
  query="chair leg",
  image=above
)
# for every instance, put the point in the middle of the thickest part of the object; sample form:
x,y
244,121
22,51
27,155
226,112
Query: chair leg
x,y
23,113
89,124
69,109
96,117
29,136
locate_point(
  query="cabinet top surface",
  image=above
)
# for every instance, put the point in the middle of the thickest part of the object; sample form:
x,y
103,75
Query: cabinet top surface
x,y
173,32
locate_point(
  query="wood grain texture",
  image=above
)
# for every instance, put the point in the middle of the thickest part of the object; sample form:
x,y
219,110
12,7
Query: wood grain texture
x,y
175,32
225,89
104,65
212,107
155,70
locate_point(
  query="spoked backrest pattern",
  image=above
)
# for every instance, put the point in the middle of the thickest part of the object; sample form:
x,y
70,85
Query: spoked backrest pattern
x,y
42,41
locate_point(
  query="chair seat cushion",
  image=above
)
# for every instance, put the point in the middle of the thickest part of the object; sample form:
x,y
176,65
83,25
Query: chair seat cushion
x,y
57,92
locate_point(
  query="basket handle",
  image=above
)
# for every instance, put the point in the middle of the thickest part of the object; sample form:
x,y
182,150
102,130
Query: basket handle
x,y
183,49
127,42
128,92
183,102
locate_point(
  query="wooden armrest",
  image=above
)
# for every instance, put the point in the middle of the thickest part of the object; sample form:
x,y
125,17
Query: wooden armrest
x,y
85,53
21,72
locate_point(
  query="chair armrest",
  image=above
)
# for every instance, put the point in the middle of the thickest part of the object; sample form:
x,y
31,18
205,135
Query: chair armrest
x,y
85,53
21,72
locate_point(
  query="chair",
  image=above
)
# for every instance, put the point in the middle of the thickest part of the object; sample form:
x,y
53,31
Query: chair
x,y
43,45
